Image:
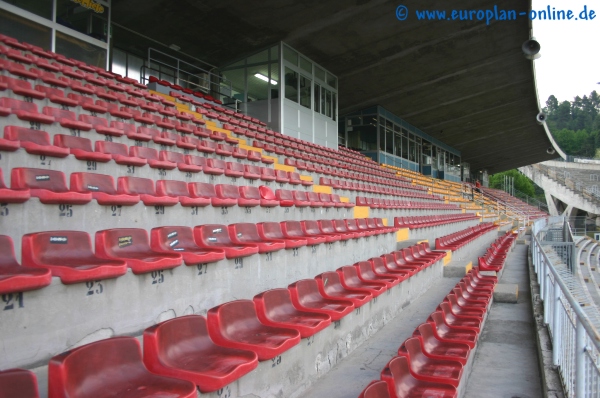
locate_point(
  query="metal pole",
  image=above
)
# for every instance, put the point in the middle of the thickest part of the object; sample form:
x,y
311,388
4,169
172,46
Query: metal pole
x,y
556,335
580,350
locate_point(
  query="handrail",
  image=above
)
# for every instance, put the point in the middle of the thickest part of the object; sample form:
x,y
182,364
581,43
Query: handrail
x,y
573,183
574,336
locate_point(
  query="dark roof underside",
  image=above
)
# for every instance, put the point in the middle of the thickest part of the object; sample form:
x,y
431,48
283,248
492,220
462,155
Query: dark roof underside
x,y
463,82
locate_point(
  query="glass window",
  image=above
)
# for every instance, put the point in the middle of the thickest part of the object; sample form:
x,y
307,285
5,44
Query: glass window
x,y
43,8
290,55
274,80
333,105
328,103
404,144
411,151
119,62
306,65
305,91
331,80
274,53
389,141
261,57
235,77
91,20
368,137
317,98
397,144
134,66
25,30
320,73
382,137
80,50
258,82
291,85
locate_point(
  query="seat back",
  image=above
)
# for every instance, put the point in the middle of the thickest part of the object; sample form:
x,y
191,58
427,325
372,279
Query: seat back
x,y
18,383
54,246
143,152
136,186
113,148
119,241
249,192
226,191
83,371
244,232
7,252
266,193
270,230
174,238
235,315
16,133
172,188
52,180
376,389
91,182
202,190
212,235
72,142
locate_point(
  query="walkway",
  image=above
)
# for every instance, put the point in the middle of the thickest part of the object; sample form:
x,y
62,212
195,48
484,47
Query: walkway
x,y
506,362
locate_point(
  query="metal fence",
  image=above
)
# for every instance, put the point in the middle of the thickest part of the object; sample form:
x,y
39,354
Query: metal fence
x,y
575,339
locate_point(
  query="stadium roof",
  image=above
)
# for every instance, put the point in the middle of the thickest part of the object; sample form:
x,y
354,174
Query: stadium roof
x,y
464,82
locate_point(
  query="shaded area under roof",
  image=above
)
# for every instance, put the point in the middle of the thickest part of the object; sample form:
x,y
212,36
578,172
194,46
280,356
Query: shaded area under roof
x,y
463,82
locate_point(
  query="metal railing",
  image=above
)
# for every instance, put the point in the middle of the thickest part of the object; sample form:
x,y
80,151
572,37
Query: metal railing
x,y
565,178
187,75
571,320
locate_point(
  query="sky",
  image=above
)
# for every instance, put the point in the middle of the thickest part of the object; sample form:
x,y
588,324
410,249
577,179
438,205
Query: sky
x,y
570,52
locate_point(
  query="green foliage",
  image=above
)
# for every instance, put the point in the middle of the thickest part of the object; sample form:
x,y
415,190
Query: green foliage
x,y
522,183
575,125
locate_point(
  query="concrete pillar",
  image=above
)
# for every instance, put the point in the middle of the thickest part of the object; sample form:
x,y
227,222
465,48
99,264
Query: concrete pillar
x,y
551,204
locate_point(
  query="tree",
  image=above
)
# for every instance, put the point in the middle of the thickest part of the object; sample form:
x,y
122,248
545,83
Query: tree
x,y
522,183
575,125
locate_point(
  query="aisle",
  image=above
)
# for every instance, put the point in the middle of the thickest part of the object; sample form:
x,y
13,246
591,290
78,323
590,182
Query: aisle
x,y
506,362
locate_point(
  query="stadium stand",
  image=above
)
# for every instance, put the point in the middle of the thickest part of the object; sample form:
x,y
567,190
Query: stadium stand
x,y
227,247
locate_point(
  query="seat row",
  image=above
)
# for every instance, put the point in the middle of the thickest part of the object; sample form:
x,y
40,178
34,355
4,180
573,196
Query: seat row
x,y
69,255
458,239
415,222
50,187
495,255
395,204
74,72
431,362
225,345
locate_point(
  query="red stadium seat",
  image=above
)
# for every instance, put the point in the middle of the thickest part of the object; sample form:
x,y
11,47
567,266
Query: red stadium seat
x,y
81,148
376,389
330,286
179,190
214,236
19,383
174,239
145,188
305,296
247,233
15,278
36,142
272,231
8,195
428,369
102,188
84,371
49,186
69,256
236,325
133,246
402,383
275,308
180,347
